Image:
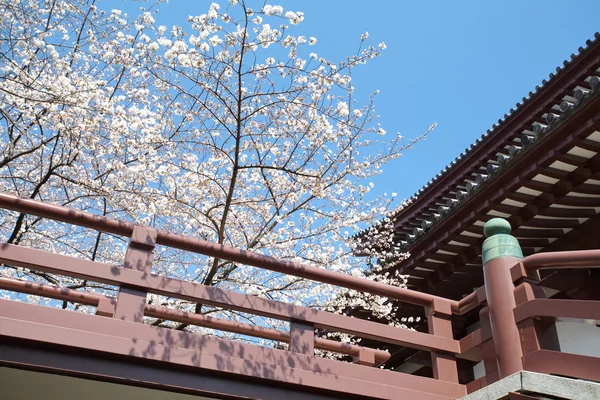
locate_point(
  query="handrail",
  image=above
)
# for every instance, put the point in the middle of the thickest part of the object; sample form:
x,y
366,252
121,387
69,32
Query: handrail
x,y
93,299
471,301
115,226
53,292
563,260
136,283
558,308
195,292
439,341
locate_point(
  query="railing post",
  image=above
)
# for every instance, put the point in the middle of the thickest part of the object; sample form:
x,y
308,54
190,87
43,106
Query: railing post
x,y
488,350
132,301
439,324
302,338
536,333
500,252
106,307
364,357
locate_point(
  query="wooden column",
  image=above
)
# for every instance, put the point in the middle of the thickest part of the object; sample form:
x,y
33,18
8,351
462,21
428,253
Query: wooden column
x,y
131,301
439,324
488,349
302,338
500,252
365,357
106,307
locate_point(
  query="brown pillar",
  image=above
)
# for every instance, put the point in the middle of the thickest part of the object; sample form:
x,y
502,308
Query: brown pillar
x,y
488,349
500,252
439,324
131,301
302,338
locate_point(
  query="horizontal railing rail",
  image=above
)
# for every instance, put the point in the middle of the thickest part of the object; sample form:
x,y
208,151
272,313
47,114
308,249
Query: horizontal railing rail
x,y
195,292
536,315
563,364
134,280
471,301
562,260
188,243
533,314
165,313
558,308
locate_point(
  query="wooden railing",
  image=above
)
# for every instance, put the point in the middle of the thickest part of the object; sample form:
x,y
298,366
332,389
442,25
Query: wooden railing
x,y
135,280
536,315
121,318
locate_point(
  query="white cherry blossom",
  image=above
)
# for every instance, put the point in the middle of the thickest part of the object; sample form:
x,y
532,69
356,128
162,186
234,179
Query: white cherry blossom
x,y
187,129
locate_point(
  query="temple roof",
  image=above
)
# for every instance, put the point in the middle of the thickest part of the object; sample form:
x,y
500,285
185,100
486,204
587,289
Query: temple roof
x,y
539,168
539,124
535,122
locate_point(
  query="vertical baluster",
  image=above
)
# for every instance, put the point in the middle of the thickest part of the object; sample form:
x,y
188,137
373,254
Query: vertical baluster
x,y
487,348
536,333
302,338
106,307
439,324
364,357
131,301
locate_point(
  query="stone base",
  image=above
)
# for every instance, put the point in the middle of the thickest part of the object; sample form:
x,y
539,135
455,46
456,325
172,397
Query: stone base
x,y
538,386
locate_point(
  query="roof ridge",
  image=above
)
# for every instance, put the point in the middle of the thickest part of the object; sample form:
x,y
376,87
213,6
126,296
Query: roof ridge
x,y
491,131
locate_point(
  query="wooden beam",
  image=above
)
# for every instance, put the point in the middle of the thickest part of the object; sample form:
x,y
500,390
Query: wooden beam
x,y
569,212
573,159
590,145
578,201
521,197
588,188
553,172
553,223
522,232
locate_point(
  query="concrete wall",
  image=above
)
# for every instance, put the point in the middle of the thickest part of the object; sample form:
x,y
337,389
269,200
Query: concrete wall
x,y
579,338
538,386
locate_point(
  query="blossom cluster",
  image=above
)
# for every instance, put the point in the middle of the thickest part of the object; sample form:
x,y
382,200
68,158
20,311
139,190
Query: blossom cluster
x,y
230,128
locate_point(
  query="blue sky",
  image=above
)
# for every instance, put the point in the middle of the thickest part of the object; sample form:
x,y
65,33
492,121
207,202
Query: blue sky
x,y
462,64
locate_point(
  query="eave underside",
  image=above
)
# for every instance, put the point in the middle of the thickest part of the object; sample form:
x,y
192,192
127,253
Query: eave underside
x,y
549,192
549,196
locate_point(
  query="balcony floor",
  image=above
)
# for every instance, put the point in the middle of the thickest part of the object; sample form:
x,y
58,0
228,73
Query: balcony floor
x,y
18,384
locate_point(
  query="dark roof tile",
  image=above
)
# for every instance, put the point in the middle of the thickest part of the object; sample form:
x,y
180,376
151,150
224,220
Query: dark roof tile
x,y
480,140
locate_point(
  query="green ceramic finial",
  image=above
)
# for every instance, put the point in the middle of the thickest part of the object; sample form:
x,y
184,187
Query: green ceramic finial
x,y
499,242
496,226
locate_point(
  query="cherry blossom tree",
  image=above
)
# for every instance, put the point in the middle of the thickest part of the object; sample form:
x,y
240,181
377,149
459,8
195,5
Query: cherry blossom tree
x,y
230,128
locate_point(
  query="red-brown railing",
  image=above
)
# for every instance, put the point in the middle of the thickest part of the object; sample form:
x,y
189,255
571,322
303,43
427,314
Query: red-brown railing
x,y
135,280
535,315
105,306
535,319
